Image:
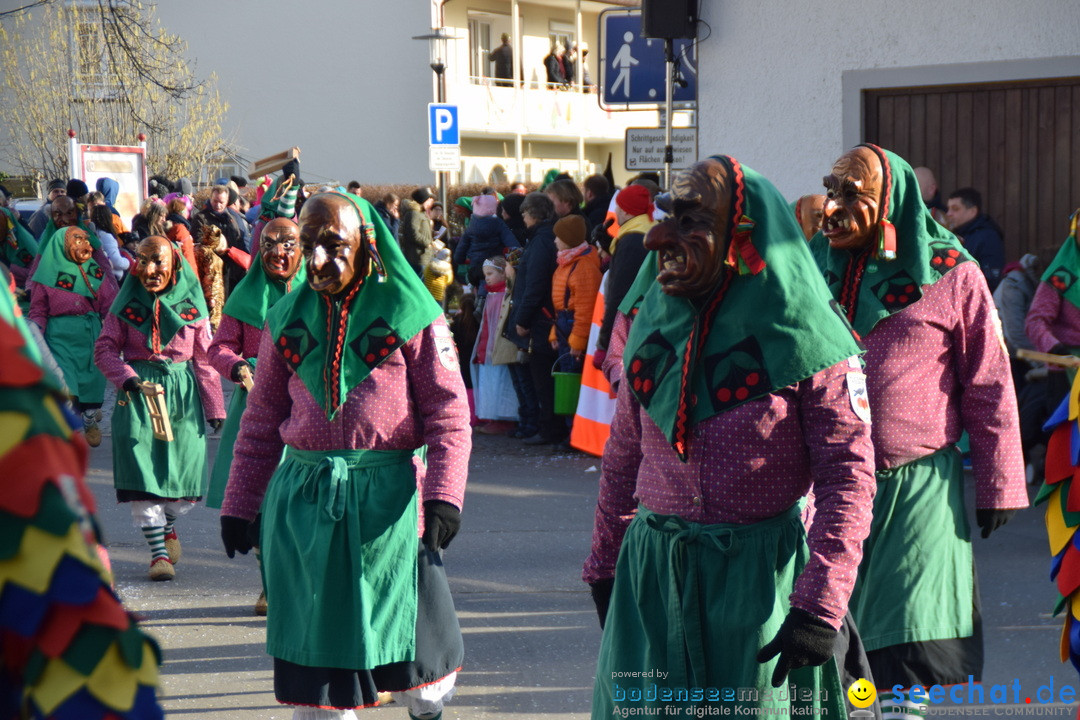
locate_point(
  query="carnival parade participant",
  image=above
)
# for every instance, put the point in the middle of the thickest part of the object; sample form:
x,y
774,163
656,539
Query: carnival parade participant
x,y
357,370
68,648
73,293
742,392
157,333
936,366
236,344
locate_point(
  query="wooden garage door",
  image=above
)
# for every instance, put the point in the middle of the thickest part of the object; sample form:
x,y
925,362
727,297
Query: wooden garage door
x,y
1017,143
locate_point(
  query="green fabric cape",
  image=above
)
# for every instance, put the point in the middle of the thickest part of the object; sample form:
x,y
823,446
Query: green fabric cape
x,y
56,270
771,322
180,305
253,296
382,312
1064,270
50,228
19,247
870,287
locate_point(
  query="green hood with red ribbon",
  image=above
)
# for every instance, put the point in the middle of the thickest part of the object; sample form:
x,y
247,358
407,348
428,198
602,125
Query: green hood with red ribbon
x,y
769,323
56,270
19,247
913,251
333,344
1064,271
159,317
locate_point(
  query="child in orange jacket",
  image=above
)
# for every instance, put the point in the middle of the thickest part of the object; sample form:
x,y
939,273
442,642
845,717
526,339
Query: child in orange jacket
x,y
573,292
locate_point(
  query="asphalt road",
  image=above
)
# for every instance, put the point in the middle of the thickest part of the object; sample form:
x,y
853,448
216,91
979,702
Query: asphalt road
x,y
530,629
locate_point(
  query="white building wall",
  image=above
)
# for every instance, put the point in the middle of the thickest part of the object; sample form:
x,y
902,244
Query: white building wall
x,y
339,78
772,86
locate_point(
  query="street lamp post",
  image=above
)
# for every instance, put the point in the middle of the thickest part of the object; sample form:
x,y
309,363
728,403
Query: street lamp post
x,y
437,54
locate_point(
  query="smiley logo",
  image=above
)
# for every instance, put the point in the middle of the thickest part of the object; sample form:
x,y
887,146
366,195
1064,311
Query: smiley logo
x,y
862,693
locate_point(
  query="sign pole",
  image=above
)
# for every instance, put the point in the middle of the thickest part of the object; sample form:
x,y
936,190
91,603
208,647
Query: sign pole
x,y
669,151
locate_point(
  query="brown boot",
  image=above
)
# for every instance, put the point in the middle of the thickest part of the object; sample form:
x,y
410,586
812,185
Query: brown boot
x,y
260,605
162,569
172,545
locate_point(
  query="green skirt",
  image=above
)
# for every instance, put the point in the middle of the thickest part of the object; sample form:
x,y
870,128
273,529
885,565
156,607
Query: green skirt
x,y
71,340
339,547
916,579
692,606
219,473
175,469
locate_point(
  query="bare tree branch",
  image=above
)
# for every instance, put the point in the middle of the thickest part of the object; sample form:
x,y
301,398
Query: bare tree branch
x,y
24,8
109,71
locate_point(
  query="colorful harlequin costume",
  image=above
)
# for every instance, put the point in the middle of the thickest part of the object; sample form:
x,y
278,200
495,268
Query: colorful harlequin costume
x,y
755,385
350,387
68,649
936,366
1063,449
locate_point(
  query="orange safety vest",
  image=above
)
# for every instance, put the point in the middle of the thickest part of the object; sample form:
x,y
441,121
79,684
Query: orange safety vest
x,y
596,402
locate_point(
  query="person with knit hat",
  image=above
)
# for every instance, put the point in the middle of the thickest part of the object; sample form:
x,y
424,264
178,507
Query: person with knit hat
x,y
73,292
573,292
486,236
414,233
936,366
357,371
633,215
739,399
37,221
157,334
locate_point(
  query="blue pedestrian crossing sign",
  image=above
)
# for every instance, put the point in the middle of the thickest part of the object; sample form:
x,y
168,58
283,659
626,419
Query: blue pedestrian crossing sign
x,y
633,68
443,124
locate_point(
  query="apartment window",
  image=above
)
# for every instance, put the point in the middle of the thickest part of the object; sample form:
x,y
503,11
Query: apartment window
x,y
561,33
485,34
479,48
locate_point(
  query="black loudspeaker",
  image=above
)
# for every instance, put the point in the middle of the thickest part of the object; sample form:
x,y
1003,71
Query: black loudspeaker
x,y
669,19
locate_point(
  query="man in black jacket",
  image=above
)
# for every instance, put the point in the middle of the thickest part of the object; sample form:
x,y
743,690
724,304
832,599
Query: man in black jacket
x,y
216,212
979,233
534,313
633,212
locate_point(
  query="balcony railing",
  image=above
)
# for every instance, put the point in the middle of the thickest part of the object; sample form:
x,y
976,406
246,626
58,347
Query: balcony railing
x,y
539,112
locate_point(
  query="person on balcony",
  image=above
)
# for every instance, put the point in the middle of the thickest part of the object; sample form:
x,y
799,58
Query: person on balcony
x,y
503,57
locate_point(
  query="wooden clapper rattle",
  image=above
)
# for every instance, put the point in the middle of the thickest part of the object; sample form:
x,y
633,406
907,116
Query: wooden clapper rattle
x,y
154,394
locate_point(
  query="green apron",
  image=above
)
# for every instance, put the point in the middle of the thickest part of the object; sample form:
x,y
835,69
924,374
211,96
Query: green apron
x,y
173,469
916,579
339,546
71,340
219,473
698,602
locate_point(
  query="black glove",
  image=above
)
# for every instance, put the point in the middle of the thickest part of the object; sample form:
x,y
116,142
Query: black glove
x,y
600,236
601,597
292,168
235,535
804,639
1059,349
131,385
216,423
234,374
991,520
441,523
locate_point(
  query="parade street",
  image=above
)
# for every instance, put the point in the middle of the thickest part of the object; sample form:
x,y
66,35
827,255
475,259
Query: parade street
x,y
531,633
